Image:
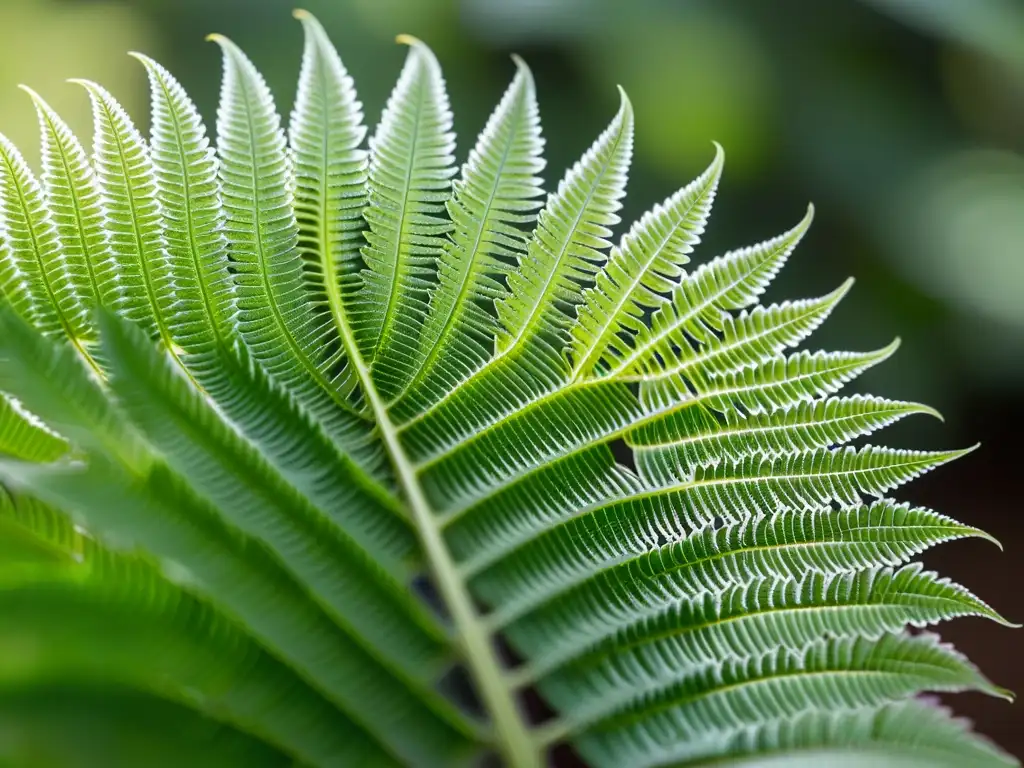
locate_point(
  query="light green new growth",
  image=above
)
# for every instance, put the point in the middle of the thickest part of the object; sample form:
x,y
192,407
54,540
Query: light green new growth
x,y
299,432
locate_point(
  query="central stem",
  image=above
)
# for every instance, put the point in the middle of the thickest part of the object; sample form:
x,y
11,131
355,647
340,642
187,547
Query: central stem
x,y
514,739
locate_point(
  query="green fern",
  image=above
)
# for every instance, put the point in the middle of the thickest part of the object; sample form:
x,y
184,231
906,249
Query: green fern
x,y
262,401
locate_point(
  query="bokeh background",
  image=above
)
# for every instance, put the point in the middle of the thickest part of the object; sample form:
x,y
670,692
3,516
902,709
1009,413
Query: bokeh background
x,y
903,120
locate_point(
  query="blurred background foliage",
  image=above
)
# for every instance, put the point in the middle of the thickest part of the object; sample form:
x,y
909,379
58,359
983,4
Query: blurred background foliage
x,y
903,120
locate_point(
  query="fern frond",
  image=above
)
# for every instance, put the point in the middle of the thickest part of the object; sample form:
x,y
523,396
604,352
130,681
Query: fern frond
x,y
789,543
492,200
411,166
125,178
73,199
330,168
698,305
791,612
301,442
909,734
188,193
134,628
273,314
697,437
38,283
841,675
128,493
568,246
642,269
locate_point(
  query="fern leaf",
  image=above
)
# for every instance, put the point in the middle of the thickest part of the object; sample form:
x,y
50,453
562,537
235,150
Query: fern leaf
x,y
762,612
596,585
249,492
188,193
571,236
129,494
693,691
700,438
134,628
406,434
841,674
132,215
910,734
325,133
31,251
642,269
698,305
273,314
72,196
492,200
745,340
411,165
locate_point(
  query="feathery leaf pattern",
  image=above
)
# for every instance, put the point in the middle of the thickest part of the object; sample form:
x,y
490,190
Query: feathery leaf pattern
x,y
299,431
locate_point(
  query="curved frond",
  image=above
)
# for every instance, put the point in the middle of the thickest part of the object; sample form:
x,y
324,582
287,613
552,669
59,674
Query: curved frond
x,y
330,169
124,175
492,200
642,269
909,734
39,284
315,454
274,315
114,620
73,199
568,246
411,166
188,192
697,308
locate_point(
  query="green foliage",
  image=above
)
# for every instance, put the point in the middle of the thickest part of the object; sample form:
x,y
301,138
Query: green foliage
x,y
256,397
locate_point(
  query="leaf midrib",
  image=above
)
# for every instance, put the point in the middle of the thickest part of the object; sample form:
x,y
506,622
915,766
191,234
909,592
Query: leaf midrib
x,y
474,252
516,742
300,355
43,275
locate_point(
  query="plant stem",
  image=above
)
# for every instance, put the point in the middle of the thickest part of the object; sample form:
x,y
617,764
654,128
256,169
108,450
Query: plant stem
x,y
515,742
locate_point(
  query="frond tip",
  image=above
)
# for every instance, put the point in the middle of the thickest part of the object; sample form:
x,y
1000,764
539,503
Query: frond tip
x,y
297,430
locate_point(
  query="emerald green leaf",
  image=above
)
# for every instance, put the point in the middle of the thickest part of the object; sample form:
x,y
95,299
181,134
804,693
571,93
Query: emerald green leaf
x,y
698,438
188,192
788,543
251,494
273,313
910,734
133,628
320,454
643,268
131,212
73,199
37,281
846,672
492,200
411,165
732,281
571,237
326,133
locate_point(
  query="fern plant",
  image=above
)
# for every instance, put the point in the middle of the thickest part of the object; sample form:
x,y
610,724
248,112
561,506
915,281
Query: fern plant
x,y
295,431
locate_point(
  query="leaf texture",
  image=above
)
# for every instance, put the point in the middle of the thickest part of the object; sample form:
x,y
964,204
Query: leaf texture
x,y
302,440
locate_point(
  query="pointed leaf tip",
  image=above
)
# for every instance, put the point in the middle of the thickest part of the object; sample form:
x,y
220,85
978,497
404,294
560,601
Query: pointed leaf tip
x,y
719,160
625,105
404,39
